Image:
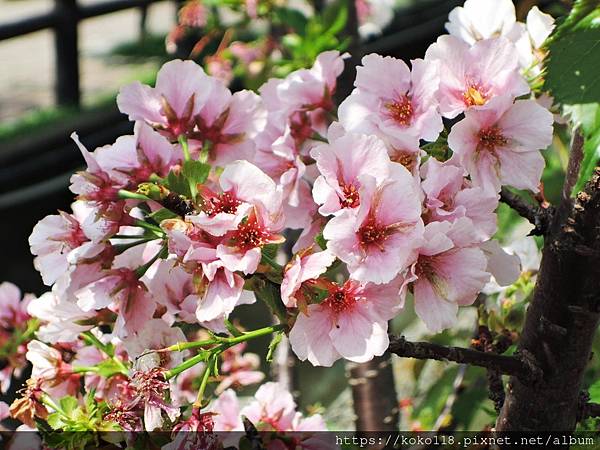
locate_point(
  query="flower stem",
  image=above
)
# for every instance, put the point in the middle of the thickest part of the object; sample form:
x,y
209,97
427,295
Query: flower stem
x,y
128,195
184,145
223,344
205,376
89,338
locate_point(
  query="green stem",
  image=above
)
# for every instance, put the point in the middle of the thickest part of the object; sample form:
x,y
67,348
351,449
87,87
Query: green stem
x,y
47,400
184,145
148,226
89,338
85,369
205,376
186,365
128,195
205,152
224,344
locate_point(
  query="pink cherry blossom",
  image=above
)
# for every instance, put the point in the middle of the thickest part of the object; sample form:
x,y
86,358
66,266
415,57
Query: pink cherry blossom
x,y
390,99
473,75
13,306
281,160
132,159
14,316
121,290
274,409
342,163
243,186
57,238
229,122
156,334
450,196
59,316
181,90
314,87
173,287
482,19
350,323
239,368
227,412
499,145
48,366
377,240
304,267
448,273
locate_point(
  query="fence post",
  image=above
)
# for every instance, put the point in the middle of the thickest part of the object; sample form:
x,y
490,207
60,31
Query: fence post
x,y
66,48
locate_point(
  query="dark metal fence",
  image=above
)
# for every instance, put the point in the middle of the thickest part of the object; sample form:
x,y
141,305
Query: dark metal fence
x,y
63,20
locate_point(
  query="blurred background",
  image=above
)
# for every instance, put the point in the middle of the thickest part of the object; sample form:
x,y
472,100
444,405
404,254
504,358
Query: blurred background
x,y
61,65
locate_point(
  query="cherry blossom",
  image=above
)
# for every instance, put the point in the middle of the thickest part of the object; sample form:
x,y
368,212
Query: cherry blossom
x,y
171,107
376,241
474,75
500,144
482,19
448,273
274,409
14,317
341,164
304,267
450,196
350,323
392,100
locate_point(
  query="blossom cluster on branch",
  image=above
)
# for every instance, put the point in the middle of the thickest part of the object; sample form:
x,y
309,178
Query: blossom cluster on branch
x,y
394,192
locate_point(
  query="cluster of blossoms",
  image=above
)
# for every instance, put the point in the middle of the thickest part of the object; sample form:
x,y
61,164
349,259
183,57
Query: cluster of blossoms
x,y
178,224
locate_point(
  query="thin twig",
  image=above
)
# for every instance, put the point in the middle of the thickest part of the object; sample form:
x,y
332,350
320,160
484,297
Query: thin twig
x,y
522,365
540,217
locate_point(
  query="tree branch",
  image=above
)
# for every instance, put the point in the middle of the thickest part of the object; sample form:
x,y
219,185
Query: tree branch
x,y
521,366
574,165
538,216
591,410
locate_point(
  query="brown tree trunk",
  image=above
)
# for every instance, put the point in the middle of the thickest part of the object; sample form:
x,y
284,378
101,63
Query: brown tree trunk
x,y
563,316
374,394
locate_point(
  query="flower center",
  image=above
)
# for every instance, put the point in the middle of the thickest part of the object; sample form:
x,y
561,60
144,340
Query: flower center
x,y
351,196
372,233
401,110
474,96
250,235
339,300
225,202
407,159
491,138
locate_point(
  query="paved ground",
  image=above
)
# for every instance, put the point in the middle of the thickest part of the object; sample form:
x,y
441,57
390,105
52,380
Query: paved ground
x,y
27,63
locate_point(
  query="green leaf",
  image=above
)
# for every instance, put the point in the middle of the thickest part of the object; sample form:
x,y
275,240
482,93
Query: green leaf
x,y
594,391
591,156
68,404
587,118
195,171
269,293
55,420
176,182
162,214
335,17
273,345
574,52
109,368
321,241
291,18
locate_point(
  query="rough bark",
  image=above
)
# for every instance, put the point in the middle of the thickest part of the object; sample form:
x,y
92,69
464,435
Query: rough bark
x,y
562,318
